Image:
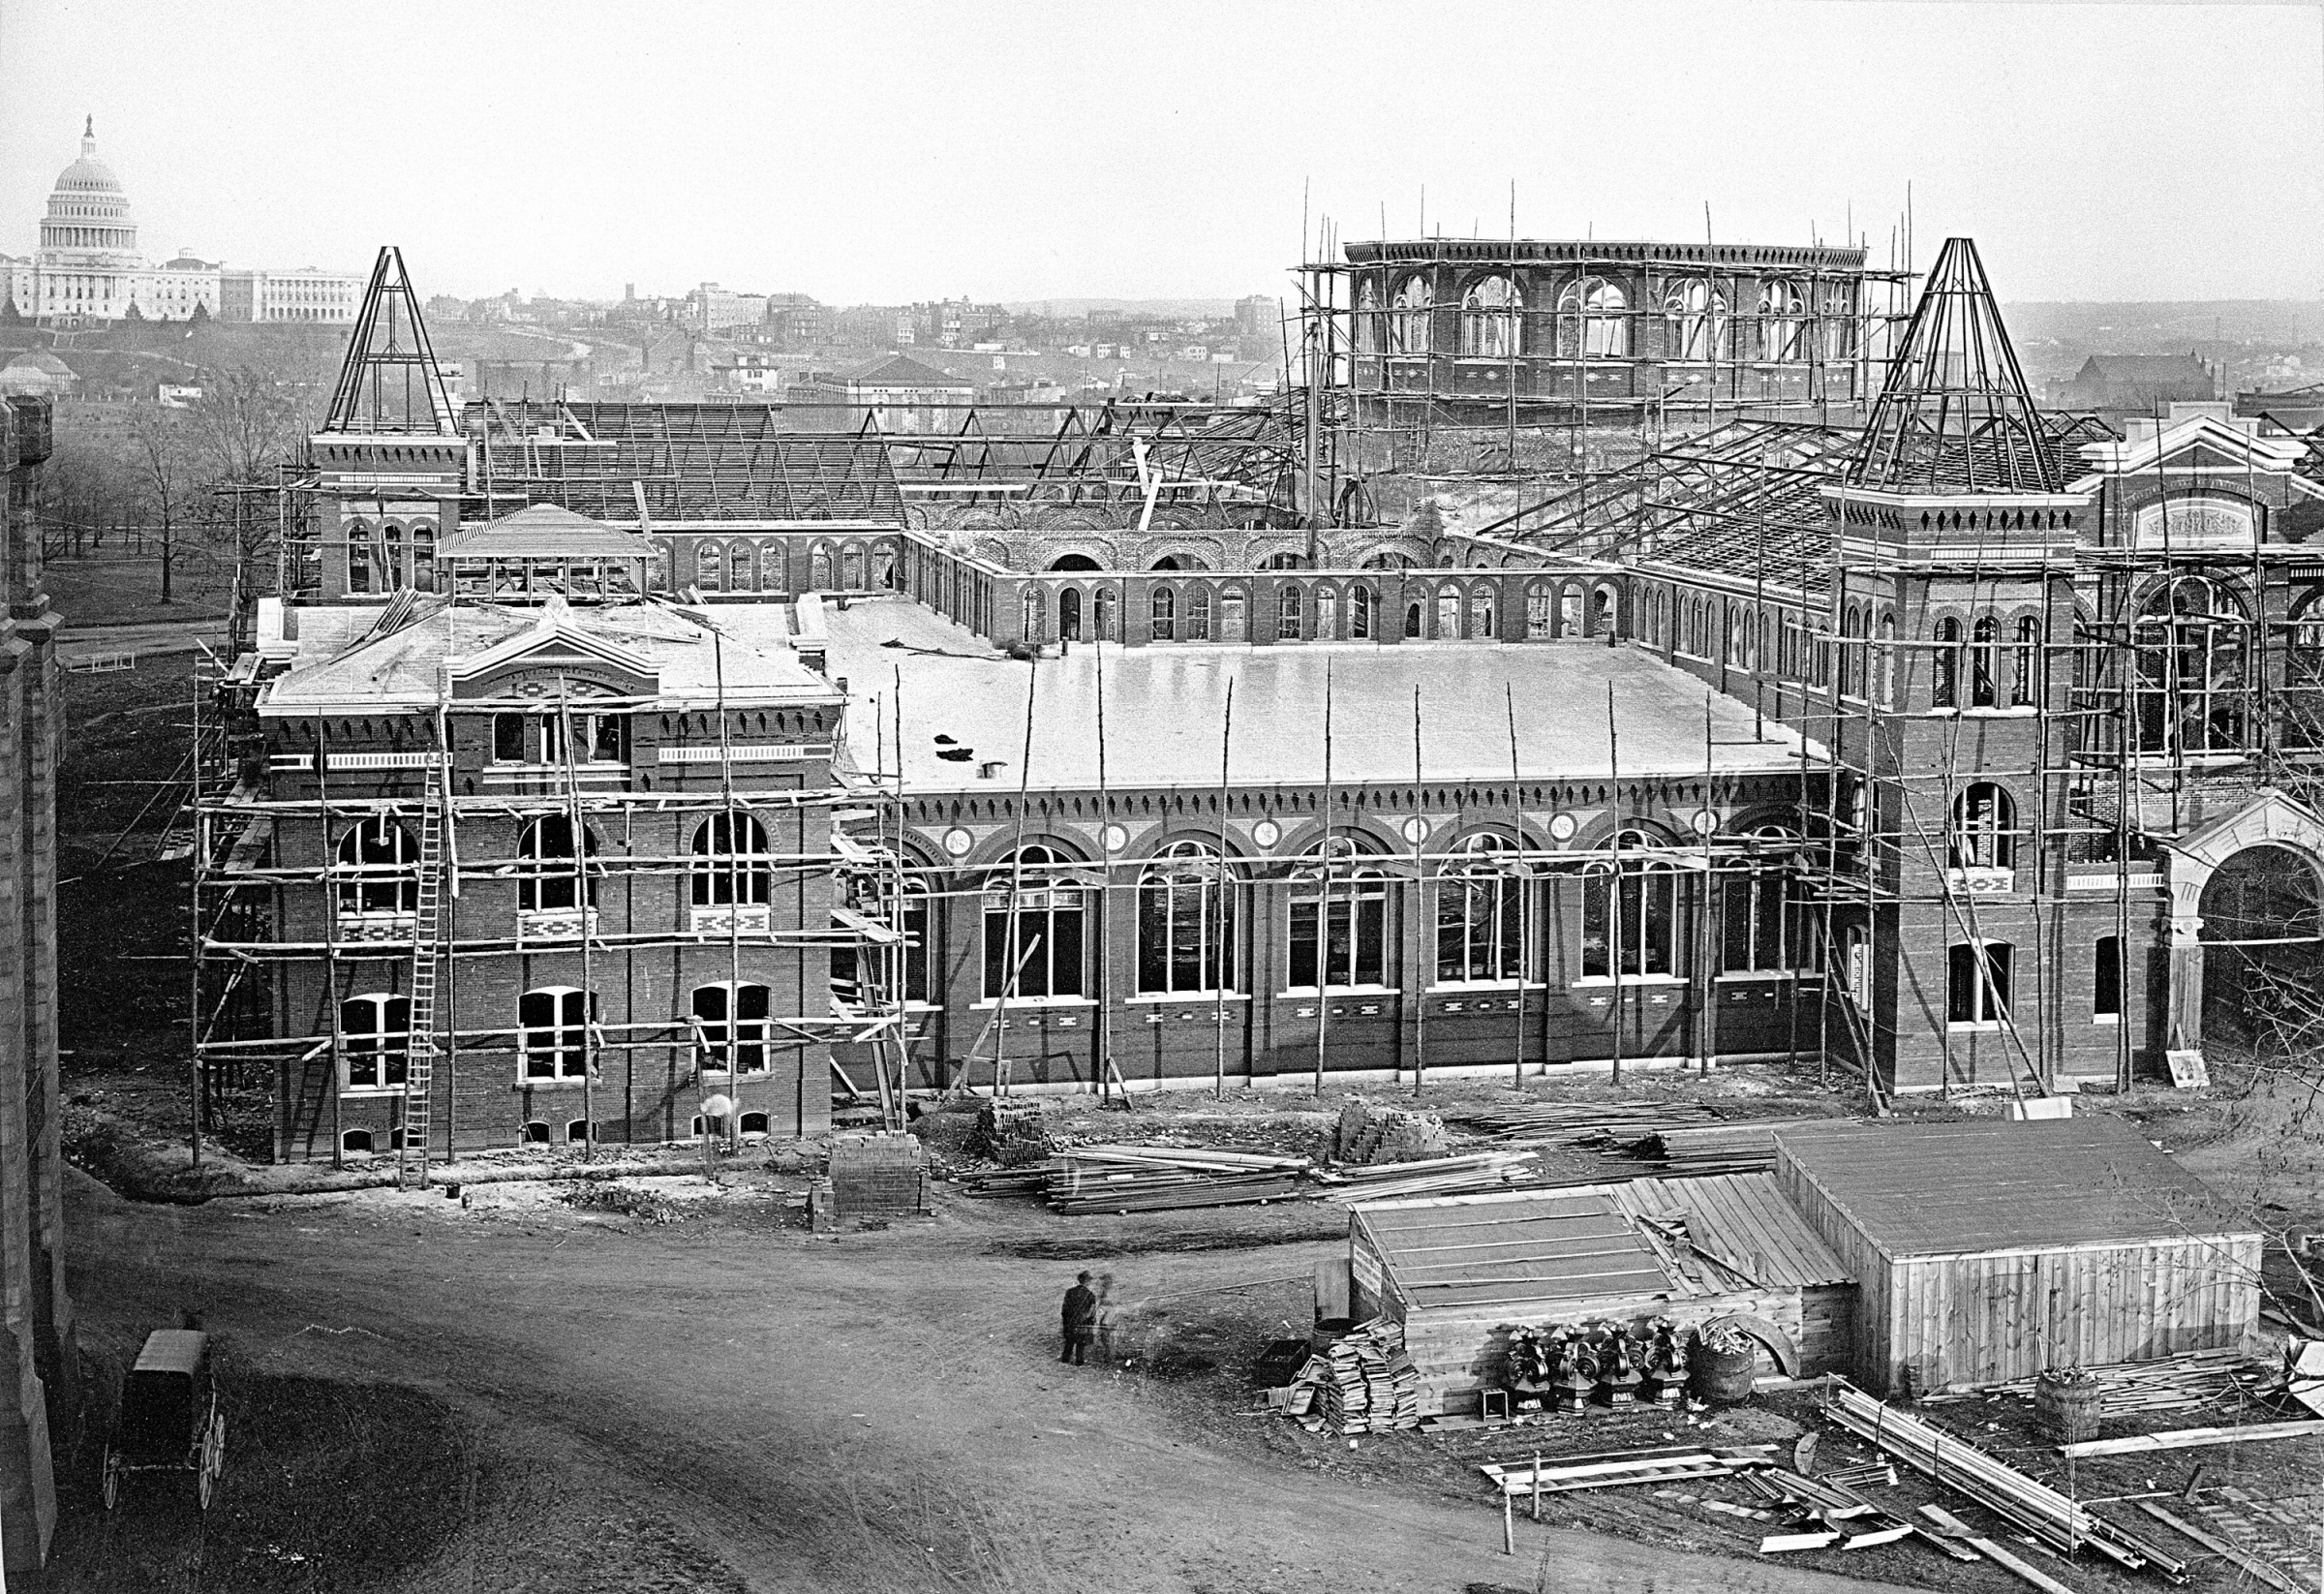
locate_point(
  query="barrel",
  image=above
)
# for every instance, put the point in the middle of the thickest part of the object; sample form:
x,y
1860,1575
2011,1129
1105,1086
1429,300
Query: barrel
x,y
1724,1378
2066,1409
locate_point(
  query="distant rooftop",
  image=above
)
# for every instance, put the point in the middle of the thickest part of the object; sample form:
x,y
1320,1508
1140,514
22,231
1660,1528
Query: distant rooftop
x,y
1588,251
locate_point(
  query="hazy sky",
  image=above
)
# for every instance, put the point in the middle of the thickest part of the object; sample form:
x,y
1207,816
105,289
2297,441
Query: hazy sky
x,y
887,152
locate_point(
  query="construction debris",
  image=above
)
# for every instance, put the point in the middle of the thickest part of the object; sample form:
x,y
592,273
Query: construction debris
x,y
2194,1438
1371,1132
2001,1488
878,1175
2181,1383
1612,1468
1953,1530
1362,1383
1152,1178
1440,1176
1829,1515
2274,1577
1011,1130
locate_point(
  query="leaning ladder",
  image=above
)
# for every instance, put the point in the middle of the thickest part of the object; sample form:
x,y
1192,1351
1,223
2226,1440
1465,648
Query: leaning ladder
x,y
420,1058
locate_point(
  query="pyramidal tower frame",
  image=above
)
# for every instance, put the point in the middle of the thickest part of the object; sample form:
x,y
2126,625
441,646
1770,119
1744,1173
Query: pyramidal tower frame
x,y
1953,555
390,384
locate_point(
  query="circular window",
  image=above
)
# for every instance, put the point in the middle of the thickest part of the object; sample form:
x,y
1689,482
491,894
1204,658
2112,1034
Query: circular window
x,y
1562,826
1116,837
1267,833
957,842
1415,830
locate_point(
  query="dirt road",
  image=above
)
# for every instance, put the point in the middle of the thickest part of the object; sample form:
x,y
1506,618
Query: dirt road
x,y
534,1398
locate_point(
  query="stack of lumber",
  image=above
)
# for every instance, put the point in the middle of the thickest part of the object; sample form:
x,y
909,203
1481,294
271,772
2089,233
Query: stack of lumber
x,y
1594,1125
1154,1179
1013,1131
2001,1488
1441,1176
1363,1384
1611,1469
878,1175
1747,1147
1008,1181
2185,1382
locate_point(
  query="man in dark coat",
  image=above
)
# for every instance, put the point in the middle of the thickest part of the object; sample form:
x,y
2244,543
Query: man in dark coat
x,y
1081,1321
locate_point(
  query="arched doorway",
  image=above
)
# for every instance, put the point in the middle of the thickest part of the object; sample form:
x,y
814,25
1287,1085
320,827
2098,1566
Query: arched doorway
x,y
1074,562
2260,943
2266,860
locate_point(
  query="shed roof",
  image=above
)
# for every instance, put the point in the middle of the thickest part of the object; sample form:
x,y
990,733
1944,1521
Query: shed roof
x,y
1516,1249
1940,1189
1743,1223
1165,706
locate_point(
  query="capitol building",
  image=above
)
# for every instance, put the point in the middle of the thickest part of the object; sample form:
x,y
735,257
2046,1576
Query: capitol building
x,y
87,270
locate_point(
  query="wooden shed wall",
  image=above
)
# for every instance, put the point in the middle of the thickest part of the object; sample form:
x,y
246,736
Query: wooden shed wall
x,y
1458,1350
1866,1358
1960,1322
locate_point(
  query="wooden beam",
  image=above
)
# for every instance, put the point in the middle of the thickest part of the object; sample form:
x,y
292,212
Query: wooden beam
x,y
2273,1577
2193,1438
1955,1528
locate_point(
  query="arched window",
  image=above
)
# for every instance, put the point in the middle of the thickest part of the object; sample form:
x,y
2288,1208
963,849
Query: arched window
x,y
1976,983
1985,663
1109,615
1630,903
1694,322
1290,610
740,577
379,869
547,866
358,556
1541,613
1033,935
1408,330
1944,665
1232,626
851,568
1985,831
773,568
1163,610
1482,896
1185,921
1198,615
551,1033
1851,652
2192,642
1359,612
1326,614
2106,980
1367,317
1414,625
1886,663
423,556
818,567
1490,326
1069,614
731,1027
1568,609
1593,320
2028,660
710,566
375,1041
1448,613
1482,612
1339,923
1764,926
730,862
1783,322
1605,609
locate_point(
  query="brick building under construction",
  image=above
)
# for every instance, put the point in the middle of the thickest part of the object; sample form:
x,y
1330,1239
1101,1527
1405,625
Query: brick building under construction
x,y
602,760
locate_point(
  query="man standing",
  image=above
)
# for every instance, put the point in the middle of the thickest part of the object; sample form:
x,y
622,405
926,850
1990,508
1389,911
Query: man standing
x,y
1081,1321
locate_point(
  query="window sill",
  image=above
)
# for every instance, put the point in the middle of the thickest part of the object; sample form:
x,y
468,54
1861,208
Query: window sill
x,y
991,1004
1605,981
573,1082
364,1091
1462,988
719,1074
1982,1026
1156,999
1309,993
1744,974
2106,1018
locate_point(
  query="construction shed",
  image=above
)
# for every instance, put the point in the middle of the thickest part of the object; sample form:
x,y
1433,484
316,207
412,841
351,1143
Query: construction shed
x,y
1460,1272
1988,1251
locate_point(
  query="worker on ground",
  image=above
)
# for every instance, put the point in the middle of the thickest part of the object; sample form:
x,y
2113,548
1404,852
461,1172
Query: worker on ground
x,y
1081,1321
1109,1315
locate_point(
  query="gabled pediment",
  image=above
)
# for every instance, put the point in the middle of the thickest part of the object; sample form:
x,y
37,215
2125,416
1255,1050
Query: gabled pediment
x,y
552,655
2270,819
2200,443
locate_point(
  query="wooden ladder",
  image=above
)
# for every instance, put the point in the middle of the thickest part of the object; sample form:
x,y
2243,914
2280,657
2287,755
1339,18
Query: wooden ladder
x,y
419,1056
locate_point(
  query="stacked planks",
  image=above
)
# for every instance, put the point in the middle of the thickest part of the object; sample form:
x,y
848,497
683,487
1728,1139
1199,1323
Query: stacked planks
x,y
1747,1147
2001,1488
1611,1469
1364,1383
1461,1175
2187,1382
1611,1128
1154,1179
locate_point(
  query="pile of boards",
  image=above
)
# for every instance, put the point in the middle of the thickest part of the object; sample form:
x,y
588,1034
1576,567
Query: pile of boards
x,y
1154,1179
1613,1468
2187,1382
1744,1146
1362,1383
1462,1175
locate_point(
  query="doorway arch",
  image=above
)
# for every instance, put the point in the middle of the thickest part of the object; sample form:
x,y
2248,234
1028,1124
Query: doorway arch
x,y
2284,834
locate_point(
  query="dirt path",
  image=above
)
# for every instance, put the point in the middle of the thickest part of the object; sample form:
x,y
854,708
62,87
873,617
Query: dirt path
x,y
724,1404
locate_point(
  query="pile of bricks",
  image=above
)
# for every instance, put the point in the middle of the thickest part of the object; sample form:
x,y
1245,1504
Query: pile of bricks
x,y
1371,1133
878,1175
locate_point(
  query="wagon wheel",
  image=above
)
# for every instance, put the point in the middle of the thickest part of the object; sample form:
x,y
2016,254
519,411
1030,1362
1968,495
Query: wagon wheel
x,y
213,1460
113,1478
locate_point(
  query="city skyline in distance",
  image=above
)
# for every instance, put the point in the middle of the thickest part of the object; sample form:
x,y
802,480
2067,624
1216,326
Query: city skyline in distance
x,y
1030,152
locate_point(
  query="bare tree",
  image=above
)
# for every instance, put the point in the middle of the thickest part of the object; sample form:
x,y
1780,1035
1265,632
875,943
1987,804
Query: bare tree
x,y
249,424
167,467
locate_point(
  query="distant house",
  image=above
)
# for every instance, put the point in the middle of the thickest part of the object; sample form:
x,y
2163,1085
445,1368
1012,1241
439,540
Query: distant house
x,y
37,371
2137,381
893,392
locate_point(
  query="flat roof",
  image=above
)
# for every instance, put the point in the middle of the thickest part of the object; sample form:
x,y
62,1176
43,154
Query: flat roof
x,y
1529,1246
1164,710
1934,1190
1742,1223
